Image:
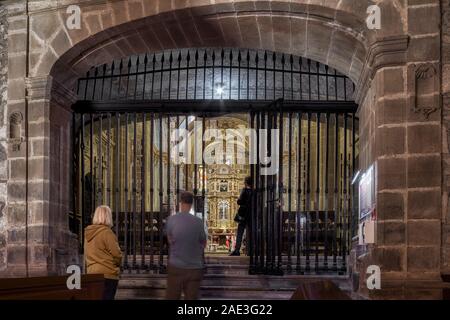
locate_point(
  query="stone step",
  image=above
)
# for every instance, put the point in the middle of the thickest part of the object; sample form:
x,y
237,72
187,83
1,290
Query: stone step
x,y
242,269
258,282
223,286
226,259
210,293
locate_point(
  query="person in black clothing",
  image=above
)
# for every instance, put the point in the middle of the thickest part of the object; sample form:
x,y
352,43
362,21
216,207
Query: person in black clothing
x,y
243,215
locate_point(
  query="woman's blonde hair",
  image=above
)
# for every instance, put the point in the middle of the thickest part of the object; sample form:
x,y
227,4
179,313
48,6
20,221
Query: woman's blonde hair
x,y
103,215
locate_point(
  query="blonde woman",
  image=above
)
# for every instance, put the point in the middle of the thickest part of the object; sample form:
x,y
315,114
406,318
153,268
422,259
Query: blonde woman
x,y
101,250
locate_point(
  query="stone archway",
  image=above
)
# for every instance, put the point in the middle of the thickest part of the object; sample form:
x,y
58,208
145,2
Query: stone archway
x,y
331,32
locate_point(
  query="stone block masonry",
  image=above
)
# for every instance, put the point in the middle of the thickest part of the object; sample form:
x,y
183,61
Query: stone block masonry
x,y
3,154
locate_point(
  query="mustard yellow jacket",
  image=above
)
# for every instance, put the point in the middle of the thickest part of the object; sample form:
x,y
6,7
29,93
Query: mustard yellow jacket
x,y
102,253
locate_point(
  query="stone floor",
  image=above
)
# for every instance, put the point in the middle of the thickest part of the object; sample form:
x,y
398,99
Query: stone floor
x,y
226,278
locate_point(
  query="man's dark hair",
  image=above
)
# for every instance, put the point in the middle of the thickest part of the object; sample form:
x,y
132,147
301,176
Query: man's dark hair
x,y
186,197
248,181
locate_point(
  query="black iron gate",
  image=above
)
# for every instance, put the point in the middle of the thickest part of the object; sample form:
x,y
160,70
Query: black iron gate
x,y
302,212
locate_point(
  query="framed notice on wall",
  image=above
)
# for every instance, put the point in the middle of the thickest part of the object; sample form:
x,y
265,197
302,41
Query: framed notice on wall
x,y
367,193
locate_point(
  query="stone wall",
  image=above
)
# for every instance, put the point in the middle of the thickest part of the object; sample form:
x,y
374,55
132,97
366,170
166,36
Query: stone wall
x,y
401,134
397,70
3,155
446,133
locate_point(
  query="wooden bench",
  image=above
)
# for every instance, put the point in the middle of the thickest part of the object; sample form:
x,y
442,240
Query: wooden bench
x,y
51,288
319,290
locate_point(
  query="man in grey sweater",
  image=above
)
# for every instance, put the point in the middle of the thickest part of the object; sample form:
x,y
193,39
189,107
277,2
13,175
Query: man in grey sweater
x,y
187,241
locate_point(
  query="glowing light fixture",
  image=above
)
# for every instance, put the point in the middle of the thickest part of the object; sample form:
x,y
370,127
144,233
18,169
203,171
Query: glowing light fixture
x,y
220,89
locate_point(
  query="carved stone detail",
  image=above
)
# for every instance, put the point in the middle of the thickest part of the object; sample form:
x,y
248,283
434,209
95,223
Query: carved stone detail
x,y
424,89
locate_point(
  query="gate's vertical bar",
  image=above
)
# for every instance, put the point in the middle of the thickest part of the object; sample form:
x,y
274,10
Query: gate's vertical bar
x,y
111,81
145,76
170,75
291,61
126,184
253,205
205,57
162,76
317,224
283,63
76,179
178,76
108,163
336,190
345,195
230,73
91,167
270,200
279,219
169,180
195,165
186,154
178,163
128,78
355,221
100,161
117,176
160,216
83,177
265,75
213,74
239,75
289,239
248,74
137,76
308,195
188,60
143,192
152,190
327,153
95,83
134,190
318,79
256,70
203,168
299,233
258,208
274,60
222,55
309,80
153,76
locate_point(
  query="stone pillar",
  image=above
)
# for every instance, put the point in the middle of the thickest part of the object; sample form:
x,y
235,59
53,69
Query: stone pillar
x,y
15,222
35,229
401,135
445,50
3,155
